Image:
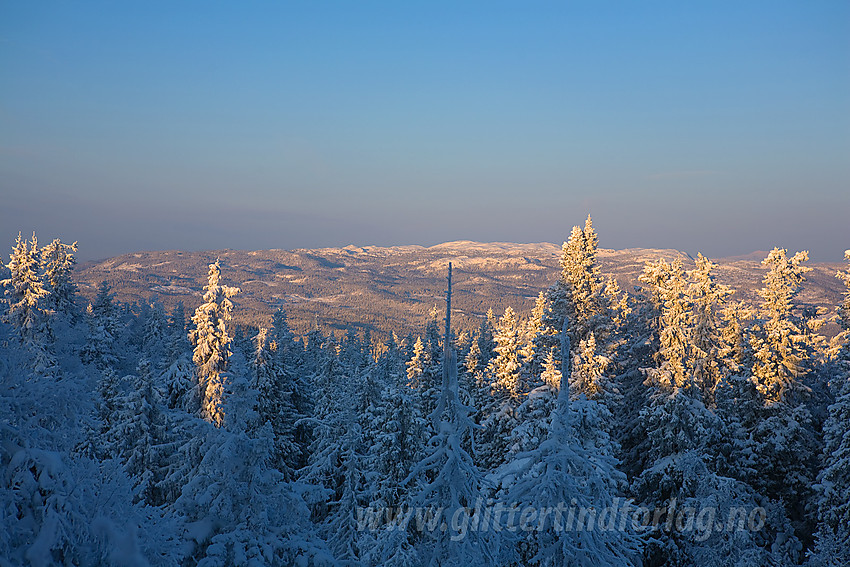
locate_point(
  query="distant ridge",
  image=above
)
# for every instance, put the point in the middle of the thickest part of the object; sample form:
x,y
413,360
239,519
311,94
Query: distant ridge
x,y
393,288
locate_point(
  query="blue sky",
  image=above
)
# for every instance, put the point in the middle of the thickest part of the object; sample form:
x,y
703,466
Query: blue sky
x,y
720,127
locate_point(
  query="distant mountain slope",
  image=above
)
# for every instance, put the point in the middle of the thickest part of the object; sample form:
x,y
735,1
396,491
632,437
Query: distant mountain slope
x,y
394,288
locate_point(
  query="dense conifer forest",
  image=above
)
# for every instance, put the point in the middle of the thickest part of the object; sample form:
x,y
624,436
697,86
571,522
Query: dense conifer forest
x,y
665,425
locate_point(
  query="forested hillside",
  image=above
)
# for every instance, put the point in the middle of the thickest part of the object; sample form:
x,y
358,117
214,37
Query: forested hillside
x,y
658,420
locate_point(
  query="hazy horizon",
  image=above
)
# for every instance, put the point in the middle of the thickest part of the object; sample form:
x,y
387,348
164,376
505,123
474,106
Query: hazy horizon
x,y
715,127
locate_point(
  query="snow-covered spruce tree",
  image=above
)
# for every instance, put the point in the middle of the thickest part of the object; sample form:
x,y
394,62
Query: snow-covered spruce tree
x,y
288,356
448,482
668,381
431,376
328,424
564,473
577,296
833,486
177,382
534,414
735,398
350,544
682,438
238,508
423,375
636,345
274,404
707,301
27,298
57,510
154,335
103,320
675,421
505,367
590,382
580,271
139,431
504,374
58,261
581,295
473,372
833,481
416,366
778,343
673,324
588,377
531,355
475,380
338,463
397,441
690,340
212,344
787,445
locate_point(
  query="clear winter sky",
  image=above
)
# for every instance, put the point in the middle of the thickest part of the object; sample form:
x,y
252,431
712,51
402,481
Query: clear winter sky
x,y
721,127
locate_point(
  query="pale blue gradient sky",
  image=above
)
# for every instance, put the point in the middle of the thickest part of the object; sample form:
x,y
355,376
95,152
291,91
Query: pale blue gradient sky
x,y
721,127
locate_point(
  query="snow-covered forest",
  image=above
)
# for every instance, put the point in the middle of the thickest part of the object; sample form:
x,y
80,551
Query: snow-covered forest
x,y
666,425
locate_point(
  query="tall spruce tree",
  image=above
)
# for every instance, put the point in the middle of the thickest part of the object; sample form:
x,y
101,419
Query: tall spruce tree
x,y
787,445
448,480
212,344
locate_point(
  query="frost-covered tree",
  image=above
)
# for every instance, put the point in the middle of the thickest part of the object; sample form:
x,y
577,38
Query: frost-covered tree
x,y
103,321
333,416
580,271
138,434
397,441
787,444
340,527
504,376
423,371
562,470
833,487
531,354
833,481
707,300
58,261
579,296
61,511
505,368
672,325
588,373
448,480
240,511
27,298
288,356
683,439
475,380
778,342
154,334
212,344
275,405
